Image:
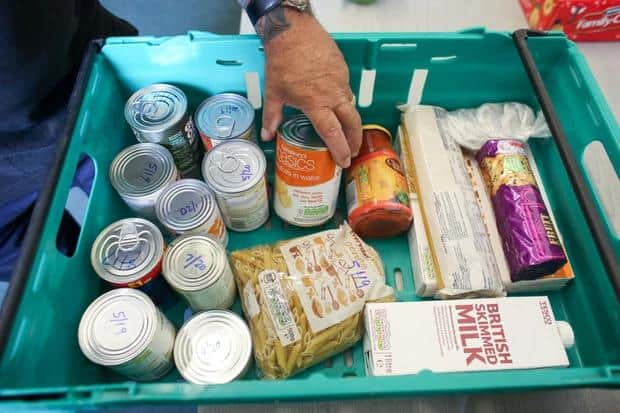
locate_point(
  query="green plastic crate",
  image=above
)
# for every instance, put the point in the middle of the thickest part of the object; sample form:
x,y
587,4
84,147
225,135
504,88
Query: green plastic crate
x,y
41,364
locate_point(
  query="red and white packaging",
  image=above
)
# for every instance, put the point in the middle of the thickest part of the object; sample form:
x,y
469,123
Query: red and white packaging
x,y
464,335
581,20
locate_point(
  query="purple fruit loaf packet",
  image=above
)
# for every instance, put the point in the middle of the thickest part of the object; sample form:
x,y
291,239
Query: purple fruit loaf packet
x,y
530,241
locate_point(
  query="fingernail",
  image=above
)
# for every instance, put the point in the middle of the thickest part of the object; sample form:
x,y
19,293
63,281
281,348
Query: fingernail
x,y
264,134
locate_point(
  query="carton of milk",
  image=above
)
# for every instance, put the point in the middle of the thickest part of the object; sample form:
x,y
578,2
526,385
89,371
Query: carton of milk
x,y
464,335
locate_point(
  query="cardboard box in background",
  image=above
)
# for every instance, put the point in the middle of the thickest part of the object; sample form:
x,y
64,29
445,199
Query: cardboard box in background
x,y
581,20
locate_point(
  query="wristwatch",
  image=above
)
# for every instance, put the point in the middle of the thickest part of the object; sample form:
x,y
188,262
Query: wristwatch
x,y
258,8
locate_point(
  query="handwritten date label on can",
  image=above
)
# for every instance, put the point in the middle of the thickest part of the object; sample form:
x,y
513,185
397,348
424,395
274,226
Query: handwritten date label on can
x,y
278,308
118,327
149,171
246,173
194,261
192,207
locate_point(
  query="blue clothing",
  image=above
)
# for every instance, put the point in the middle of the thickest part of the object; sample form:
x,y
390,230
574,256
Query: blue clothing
x,y
41,49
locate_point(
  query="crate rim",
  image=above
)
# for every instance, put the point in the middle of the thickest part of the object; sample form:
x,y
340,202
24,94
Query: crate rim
x,y
607,376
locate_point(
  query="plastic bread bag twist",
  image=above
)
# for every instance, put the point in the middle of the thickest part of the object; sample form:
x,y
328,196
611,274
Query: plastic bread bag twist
x,y
304,298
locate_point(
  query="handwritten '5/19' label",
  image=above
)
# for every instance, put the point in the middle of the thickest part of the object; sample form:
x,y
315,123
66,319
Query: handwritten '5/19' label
x,y
118,327
334,274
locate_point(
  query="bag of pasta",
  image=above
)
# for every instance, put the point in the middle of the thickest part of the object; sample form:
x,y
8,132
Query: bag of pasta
x,y
304,298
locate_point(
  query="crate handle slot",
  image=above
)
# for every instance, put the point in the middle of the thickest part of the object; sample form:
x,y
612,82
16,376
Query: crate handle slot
x,y
367,87
229,62
416,87
597,164
398,279
398,46
444,59
253,89
76,205
348,358
597,229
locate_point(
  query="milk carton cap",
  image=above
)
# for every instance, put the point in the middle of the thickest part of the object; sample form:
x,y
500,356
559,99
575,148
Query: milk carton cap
x,y
566,333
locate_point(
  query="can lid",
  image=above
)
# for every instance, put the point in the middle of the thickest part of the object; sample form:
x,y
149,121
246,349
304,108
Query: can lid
x,y
566,333
224,116
193,262
234,166
299,131
213,347
127,250
142,169
117,326
156,108
185,205
372,126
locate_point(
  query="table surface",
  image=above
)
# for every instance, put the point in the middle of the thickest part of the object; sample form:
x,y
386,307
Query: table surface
x,y
452,15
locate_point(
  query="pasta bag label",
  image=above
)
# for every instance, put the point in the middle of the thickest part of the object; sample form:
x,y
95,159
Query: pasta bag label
x,y
334,273
277,306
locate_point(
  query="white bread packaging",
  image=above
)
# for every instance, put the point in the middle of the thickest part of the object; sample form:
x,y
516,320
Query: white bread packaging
x,y
459,242
464,335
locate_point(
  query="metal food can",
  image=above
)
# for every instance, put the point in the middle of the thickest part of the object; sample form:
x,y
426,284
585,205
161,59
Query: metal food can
x,y
158,114
235,171
307,178
124,331
223,117
213,347
129,253
188,206
196,267
140,172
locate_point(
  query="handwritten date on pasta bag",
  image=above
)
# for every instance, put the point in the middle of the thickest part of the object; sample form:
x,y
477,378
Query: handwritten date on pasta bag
x,y
304,297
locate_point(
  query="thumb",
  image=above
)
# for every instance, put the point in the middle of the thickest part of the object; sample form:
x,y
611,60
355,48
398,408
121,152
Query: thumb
x,y
272,117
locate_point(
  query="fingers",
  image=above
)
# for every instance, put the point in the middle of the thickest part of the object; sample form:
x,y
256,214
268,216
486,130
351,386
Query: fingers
x,y
329,128
351,125
272,116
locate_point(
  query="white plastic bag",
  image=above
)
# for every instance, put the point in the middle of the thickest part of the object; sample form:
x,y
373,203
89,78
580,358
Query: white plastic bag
x,y
471,128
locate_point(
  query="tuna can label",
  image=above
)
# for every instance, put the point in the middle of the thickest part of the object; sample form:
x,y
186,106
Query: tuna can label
x,y
306,184
184,148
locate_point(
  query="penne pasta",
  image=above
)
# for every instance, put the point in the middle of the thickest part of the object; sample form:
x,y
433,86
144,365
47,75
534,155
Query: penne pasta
x,y
284,341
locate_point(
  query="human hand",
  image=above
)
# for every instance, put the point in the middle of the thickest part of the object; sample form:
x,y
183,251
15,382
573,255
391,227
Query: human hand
x,y
305,69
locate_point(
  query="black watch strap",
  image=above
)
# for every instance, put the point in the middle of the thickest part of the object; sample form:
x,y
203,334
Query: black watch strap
x,y
258,8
